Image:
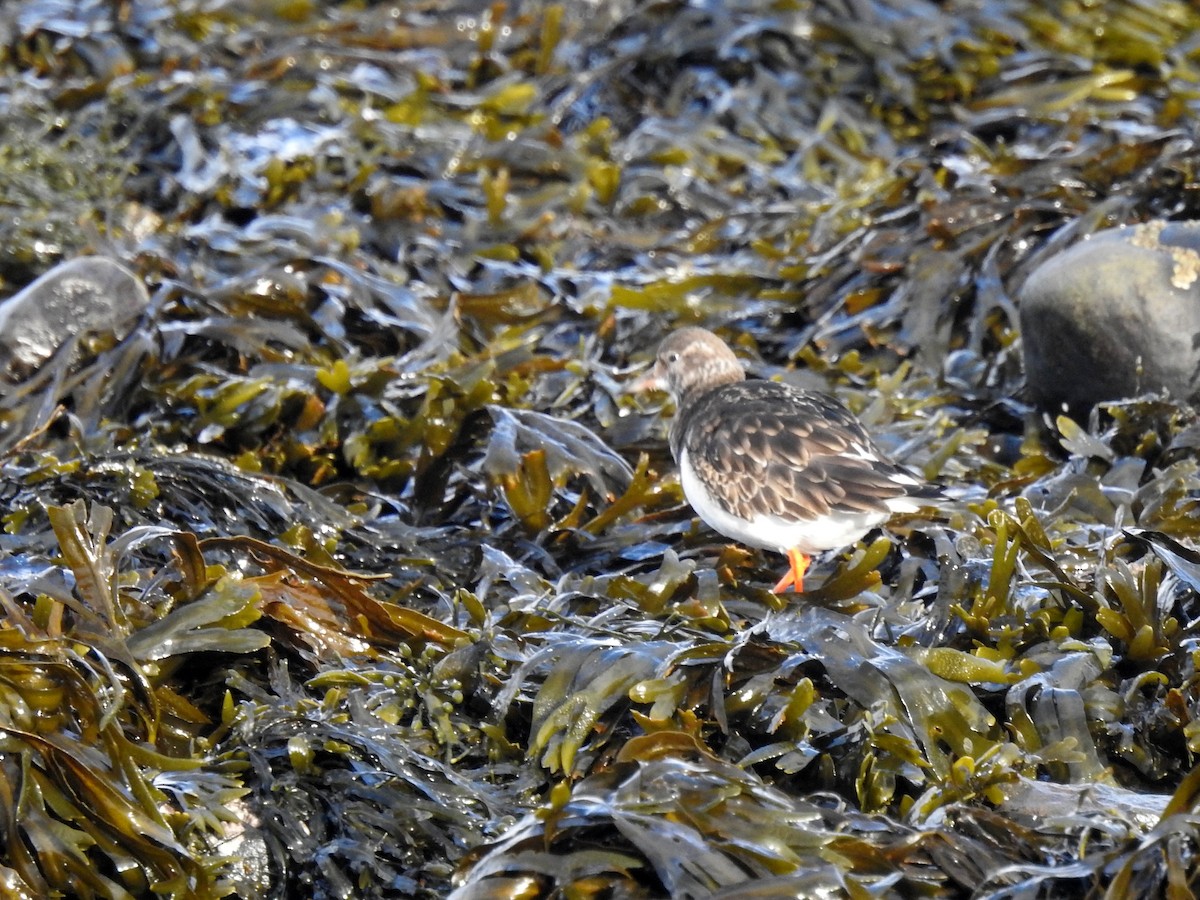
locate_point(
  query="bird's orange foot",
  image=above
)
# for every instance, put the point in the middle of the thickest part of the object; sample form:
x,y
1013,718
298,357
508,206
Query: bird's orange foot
x,y
797,566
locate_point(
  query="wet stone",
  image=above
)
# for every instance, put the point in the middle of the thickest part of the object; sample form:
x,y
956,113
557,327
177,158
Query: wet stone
x,y
1115,316
87,295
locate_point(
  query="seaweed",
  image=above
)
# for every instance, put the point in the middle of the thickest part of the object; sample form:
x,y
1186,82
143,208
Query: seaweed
x,y
356,569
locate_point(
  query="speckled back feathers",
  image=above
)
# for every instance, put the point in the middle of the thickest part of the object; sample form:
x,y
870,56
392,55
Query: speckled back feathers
x,y
765,448
760,448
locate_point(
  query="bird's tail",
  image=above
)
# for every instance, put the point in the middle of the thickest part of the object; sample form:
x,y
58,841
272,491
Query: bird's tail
x,y
927,494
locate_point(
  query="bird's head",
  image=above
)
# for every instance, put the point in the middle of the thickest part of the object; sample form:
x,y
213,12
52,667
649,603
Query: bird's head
x,y
691,360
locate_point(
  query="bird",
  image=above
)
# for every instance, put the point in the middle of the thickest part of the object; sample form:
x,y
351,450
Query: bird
x,y
771,465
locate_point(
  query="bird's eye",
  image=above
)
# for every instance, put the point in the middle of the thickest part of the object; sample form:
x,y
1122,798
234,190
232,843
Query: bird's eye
x,y
672,358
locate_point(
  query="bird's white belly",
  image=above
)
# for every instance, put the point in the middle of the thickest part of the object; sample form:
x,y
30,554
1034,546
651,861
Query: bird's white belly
x,y
773,532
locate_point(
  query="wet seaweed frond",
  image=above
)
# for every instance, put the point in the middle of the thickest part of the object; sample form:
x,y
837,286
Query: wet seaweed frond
x,y
354,568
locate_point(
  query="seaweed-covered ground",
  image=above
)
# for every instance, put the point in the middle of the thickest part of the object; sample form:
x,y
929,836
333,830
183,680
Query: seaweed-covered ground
x,y
356,571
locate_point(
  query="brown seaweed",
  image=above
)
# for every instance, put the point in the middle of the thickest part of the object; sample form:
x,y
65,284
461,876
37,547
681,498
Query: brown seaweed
x,y
356,570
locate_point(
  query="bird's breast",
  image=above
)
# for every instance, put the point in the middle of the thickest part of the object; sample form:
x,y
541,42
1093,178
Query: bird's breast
x,y
769,531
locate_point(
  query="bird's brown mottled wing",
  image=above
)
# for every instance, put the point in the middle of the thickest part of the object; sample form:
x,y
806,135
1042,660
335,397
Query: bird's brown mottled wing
x,y
762,447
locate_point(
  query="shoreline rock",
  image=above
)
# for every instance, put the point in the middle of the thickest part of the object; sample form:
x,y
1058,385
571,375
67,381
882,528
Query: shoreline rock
x,y
1115,316
85,295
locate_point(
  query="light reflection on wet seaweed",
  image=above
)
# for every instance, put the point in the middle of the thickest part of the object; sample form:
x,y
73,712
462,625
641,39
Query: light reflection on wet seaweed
x,y
354,570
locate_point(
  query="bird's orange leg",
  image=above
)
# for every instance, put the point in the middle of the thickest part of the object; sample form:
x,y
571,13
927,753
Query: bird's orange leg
x,y
797,566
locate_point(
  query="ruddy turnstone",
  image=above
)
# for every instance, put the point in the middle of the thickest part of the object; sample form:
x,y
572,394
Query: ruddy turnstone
x,y
770,465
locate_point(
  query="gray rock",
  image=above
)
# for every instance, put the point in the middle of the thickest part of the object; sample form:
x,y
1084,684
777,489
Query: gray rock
x,y
1115,316
91,294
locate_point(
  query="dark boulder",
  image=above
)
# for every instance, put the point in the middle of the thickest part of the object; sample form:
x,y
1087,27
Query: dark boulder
x,y
1115,316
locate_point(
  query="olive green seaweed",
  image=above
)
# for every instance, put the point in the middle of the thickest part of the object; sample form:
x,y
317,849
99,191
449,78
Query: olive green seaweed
x,y
356,569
